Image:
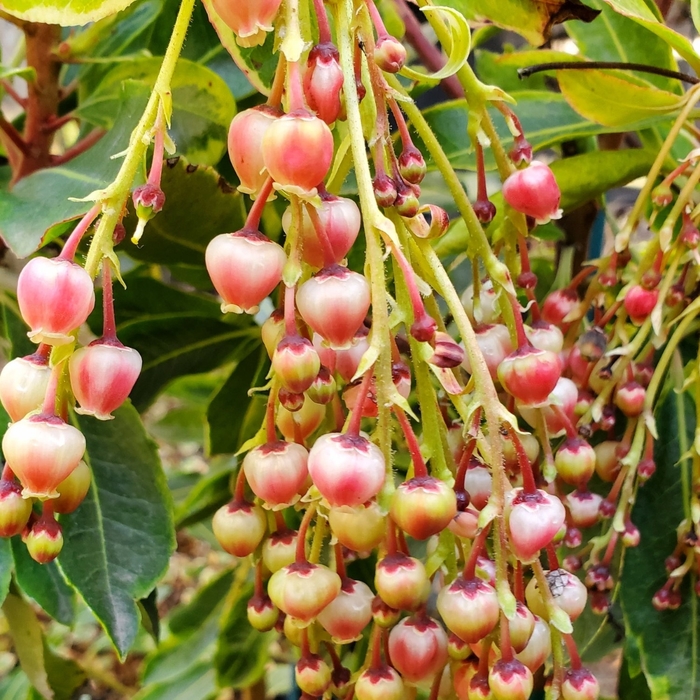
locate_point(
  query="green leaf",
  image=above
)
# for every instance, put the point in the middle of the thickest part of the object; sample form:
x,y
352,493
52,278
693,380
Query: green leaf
x,y
589,175
615,99
6,72
614,37
44,583
631,687
666,640
641,13
179,234
242,651
205,498
119,541
14,330
546,117
695,13
28,641
6,566
15,686
65,676
532,19
67,13
225,425
203,106
199,681
188,619
258,63
39,201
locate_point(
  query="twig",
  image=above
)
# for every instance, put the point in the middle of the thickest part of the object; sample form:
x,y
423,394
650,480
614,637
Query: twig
x,y
14,136
83,145
7,87
597,65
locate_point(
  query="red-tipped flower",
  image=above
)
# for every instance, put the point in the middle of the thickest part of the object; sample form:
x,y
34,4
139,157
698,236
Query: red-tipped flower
x,y
534,192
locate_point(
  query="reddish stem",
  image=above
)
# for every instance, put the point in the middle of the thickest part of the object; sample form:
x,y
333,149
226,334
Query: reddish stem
x,y
519,582
609,315
377,634
239,492
400,123
324,28
295,89
668,180
305,651
568,425
290,321
610,549
356,417
529,485
506,645
259,589
280,524
252,222
158,153
464,461
14,136
301,534
419,468
376,19
482,194
270,432
552,557
340,561
435,688
7,87
109,325
477,548
47,511
49,406
391,545
71,245
521,338
328,254
573,651
412,286
578,279
615,490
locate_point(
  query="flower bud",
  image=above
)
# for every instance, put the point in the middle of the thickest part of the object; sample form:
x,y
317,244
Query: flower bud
x,y
593,344
412,165
568,593
323,81
534,192
250,20
532,520
608,457
334,304
302,423
418,649
469,608
302,589
239,527
389,54
478,483
382,683
423,506
55,297
385,191
348,470
402,582
406,203
23,383
245,137
575,461
640,302
539,646
14,510
486,309
276,471
559,406
42,451
262,614
296,363
297,151
73,489
383,615
495,345
558,305
629,398
530,375
583,507
361,528
102,376
346,617
545,336
44,541
148,201
312,675
580,684
510,680
244,267
279,550
323,388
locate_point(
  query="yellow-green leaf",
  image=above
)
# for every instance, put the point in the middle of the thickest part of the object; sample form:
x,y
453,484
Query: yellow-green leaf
x,y
67,13
460,40
612,98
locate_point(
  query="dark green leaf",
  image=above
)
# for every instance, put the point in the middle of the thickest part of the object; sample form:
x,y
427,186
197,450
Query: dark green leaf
x,y
666,640
6,566
242,651
180,233
28,641
149,614
227,411
44,583
187,619
203,106
15,330
631,687
204,498
40,200
198,681
118,543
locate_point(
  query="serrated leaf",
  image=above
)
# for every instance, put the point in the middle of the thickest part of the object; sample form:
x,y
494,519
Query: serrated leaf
x,y
258,63
67,13
615,99
179,234
669,656
203,106
39,201
28,642
44,583
118,543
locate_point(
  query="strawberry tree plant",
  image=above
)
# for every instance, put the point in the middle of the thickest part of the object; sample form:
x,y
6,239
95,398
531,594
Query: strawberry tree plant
x,y
412,314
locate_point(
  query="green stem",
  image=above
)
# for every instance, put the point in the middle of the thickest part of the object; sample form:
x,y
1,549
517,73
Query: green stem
x,y
114,197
